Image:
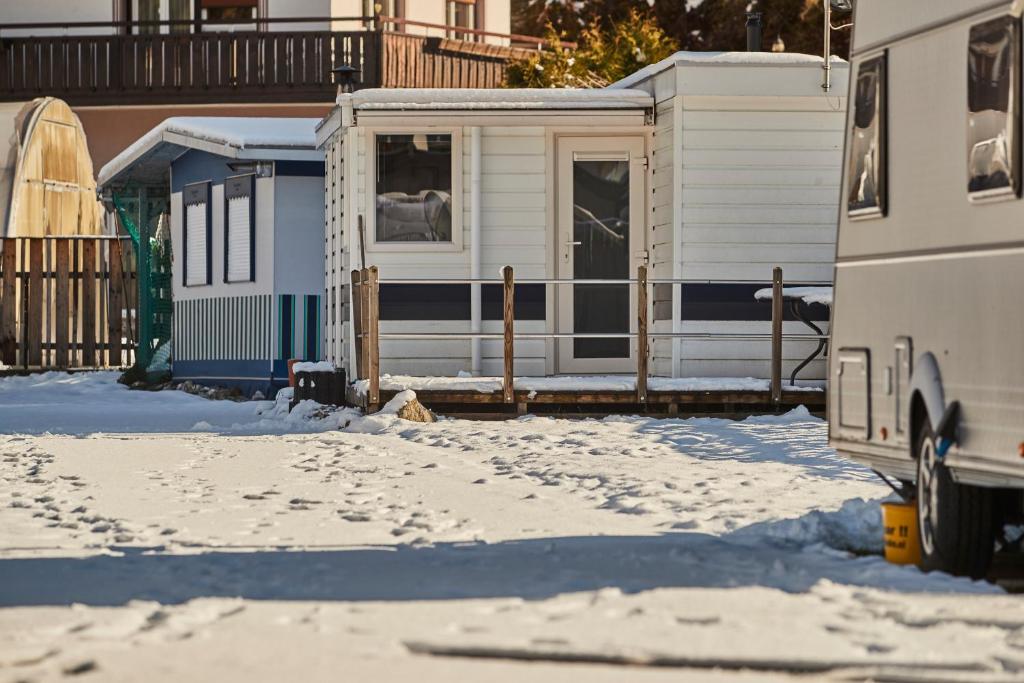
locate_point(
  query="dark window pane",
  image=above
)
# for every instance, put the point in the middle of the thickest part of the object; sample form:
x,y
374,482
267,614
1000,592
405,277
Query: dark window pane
x,y
867,140
414,188
991,107
601,231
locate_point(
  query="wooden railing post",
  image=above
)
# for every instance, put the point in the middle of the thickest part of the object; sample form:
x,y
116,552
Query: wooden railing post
x,y
356,297
33,355
776,368
88,290
641,334
508,353
115,305
9,303
62,315
373,338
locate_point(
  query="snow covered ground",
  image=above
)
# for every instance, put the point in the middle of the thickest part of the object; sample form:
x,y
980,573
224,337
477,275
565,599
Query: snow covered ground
x,y
164,537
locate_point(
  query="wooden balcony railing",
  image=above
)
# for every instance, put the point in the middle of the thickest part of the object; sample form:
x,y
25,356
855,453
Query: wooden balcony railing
x,y
218,66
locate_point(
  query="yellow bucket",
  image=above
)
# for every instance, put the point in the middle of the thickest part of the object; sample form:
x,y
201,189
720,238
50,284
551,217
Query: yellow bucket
x,y
902,543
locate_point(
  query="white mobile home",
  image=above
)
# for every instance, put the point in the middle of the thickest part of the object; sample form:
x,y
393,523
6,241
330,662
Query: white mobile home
x,y
246,221
708,167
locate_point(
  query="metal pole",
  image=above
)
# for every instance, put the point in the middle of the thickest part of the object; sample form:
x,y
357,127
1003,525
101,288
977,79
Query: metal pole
x,y
827,66
776,362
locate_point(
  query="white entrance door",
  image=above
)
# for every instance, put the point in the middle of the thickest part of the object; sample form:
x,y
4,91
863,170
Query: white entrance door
x,y
600,235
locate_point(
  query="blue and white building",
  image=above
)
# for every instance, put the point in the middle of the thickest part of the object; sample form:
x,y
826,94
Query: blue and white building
x,y
246,222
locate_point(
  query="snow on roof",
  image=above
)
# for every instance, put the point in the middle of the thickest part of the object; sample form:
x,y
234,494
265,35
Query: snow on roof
x,y
498,98
232,133
684,58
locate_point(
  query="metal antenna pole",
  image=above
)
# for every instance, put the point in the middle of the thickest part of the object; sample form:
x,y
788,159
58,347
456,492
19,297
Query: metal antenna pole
x,y
827,66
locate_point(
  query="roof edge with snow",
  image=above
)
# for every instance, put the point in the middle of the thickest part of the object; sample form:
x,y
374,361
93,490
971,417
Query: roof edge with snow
x,y
724,59
480,99
236,137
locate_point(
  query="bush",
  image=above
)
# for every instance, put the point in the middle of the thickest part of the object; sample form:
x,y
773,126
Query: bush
x,y
603,56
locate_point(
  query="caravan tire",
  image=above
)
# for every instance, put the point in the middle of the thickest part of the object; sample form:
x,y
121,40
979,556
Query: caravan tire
x,y
955,521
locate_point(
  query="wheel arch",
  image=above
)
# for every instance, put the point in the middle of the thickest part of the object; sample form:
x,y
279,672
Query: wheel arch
x,y
927,397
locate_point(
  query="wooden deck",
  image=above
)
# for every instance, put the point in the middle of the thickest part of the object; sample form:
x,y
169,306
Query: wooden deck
x,y
473,403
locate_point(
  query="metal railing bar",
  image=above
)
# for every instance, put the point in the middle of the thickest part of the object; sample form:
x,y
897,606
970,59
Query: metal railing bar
x,y
176,22
736,336
567,281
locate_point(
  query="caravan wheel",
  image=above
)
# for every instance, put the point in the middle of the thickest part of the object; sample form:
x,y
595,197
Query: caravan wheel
x,y
955,520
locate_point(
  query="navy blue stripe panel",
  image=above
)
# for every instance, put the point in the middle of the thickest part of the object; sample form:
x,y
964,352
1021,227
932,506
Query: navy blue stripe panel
x,y
713,301
312,326
309,169
248,376
452,302
248,369
728,301
287,329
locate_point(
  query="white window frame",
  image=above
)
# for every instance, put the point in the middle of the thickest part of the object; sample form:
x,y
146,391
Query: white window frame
x,y
251,198
207,187
370,205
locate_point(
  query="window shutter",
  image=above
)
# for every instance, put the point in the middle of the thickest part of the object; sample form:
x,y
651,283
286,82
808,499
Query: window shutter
x,y
239,230
239,243
197,235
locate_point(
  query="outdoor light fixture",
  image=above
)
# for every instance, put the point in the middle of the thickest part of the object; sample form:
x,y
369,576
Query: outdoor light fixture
x,y
345,77
262,169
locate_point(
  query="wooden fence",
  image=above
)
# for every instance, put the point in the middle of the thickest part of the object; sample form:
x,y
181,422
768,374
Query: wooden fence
x,y
67,302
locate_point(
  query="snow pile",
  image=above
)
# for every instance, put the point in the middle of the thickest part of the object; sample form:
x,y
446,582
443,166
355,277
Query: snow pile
x,y
855,527
311,366
93,402
809,295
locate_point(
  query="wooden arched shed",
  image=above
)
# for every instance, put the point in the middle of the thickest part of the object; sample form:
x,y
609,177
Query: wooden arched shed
x,y
46,178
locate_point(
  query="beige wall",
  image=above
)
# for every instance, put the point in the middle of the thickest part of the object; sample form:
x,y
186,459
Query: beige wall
x,y
110,130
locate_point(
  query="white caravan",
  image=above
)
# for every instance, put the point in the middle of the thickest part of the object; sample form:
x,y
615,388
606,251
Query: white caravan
x,y
928,354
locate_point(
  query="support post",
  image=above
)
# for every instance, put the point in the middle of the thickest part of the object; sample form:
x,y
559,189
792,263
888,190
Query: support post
x,y
8,303
357,322
776,370
373,337
641,334
508,354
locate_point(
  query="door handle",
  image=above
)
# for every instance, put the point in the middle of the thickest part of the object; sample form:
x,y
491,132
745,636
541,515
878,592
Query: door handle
x,y
573,244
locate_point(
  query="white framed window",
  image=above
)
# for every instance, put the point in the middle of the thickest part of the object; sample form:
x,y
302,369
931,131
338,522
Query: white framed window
x,y
463,14
240,228
416,200
993,114
196,235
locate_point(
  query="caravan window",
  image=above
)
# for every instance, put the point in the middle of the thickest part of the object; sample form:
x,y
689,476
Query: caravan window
x,y
992,109
196,235
414,174
867,163
239,229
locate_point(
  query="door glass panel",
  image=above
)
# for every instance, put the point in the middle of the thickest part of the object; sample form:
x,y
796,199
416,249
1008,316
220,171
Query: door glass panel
x,y
601,234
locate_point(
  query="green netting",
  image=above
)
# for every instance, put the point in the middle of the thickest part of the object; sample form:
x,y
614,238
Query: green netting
x,y
143,217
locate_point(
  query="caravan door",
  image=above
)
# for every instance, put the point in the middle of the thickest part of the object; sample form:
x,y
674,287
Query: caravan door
x,y
600,216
